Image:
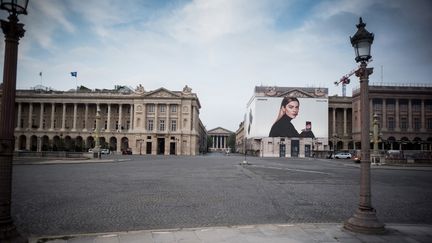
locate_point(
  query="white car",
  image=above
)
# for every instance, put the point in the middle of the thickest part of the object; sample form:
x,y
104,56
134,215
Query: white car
x,y
342,155
105,151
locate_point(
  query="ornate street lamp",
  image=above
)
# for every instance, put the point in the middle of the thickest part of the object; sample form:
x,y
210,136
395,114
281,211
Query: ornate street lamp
x,y
364,219
13,31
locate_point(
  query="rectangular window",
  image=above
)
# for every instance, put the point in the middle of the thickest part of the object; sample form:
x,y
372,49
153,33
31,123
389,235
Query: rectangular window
x,y
416,105
151,108
403,105
162,108
117,125
429,123
390,105
150,125
403,123
83,124
162,125
417,123
43,124
106,125
391,123
428,105
174,108
55,123
173,125
128,125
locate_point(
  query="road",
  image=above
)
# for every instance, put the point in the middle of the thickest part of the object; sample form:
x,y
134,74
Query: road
x,y
161,192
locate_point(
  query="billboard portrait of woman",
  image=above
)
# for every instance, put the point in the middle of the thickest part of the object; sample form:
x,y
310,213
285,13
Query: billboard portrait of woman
x,y
283,127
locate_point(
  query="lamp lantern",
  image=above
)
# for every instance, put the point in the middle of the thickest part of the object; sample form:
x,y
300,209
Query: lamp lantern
x,y
362,42
14,7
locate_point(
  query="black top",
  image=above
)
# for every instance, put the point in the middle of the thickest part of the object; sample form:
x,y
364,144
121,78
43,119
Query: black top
x,y
307,134
283,128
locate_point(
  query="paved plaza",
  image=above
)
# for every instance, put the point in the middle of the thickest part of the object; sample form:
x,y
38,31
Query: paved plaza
x,y
149,193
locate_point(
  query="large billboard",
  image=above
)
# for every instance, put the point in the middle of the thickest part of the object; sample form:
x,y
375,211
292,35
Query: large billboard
x,y
269,117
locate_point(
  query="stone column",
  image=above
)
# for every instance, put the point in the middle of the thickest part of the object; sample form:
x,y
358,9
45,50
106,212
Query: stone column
x,y
345,122
120,118
144,117
30,116
372,112
41,116
75,117
63,117
384,116
52,116
168,118
397,128
131,118
19,117
334,122
109,118
423,123
217,141
85,117
156,118
410,125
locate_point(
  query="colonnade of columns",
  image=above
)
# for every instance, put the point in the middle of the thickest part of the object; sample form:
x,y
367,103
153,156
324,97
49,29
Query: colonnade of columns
x,y
53,124
345,121
219,141
414,114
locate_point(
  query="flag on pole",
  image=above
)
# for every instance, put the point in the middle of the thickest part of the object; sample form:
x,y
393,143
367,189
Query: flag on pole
x,y
74,74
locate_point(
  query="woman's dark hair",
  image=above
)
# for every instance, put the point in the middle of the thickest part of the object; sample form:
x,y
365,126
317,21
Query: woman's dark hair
x,y
287,100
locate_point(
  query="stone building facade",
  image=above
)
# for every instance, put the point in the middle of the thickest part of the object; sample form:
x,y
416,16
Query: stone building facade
x,y
146,122
220,138
404,115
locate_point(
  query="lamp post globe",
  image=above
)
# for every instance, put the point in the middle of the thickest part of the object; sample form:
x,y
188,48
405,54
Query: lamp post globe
x,y
362,42
13,31
364,219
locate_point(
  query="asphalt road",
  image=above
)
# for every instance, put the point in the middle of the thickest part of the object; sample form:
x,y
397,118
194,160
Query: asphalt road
x,y
160,192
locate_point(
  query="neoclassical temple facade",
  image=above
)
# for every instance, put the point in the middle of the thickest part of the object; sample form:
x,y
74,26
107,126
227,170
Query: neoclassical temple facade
x,y
146,122
219,137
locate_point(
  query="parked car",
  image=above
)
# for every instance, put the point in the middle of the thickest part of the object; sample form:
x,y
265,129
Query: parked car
x,y
127,151
342,155
105,151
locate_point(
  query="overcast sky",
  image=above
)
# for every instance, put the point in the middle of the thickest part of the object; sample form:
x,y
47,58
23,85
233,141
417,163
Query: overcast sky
x,y
222,49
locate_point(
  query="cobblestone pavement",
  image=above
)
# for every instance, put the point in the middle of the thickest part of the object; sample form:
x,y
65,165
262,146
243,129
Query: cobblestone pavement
x,y
162,192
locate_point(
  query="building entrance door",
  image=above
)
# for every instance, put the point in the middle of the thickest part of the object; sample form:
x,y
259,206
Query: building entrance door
x,y
161,146
307,150
149,148
172,148
282,150
295,148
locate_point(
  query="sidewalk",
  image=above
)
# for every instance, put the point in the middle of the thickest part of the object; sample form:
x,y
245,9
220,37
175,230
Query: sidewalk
x,y
269,233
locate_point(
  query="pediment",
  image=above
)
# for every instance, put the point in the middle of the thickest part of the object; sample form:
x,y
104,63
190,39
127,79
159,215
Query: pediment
x,y
296,93
219,130
161,93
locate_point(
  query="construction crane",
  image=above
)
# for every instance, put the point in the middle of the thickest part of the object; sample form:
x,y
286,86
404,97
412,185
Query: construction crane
x,y
344,81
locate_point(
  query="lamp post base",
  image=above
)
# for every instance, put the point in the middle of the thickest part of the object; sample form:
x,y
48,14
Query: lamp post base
x,y
366,222
9,234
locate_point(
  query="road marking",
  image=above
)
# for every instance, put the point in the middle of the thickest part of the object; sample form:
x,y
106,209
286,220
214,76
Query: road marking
x,y
298,170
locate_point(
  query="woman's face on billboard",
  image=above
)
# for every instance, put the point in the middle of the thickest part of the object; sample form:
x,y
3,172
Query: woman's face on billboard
x,y
291,109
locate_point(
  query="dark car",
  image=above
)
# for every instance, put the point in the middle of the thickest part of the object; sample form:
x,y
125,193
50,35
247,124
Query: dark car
x,y
127,151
